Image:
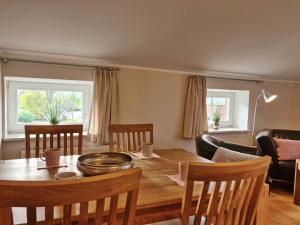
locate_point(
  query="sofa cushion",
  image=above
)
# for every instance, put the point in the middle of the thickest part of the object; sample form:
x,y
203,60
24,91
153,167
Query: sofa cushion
x,y
227,155
287,149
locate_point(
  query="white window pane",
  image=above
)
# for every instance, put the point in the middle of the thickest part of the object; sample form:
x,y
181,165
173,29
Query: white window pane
x,y
220,104
208,101
232,105
208,108
39,101
224,109
219,101
36,106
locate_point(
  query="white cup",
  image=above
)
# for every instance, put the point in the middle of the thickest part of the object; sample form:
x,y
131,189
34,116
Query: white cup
x,y
66,175
147,150
183,169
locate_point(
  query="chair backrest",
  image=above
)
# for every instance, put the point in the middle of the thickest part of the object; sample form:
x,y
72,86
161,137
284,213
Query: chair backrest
x,y
66,193
229,194
129,137
44,132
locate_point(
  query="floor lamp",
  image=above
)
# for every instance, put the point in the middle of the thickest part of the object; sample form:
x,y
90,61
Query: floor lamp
x,y
268,97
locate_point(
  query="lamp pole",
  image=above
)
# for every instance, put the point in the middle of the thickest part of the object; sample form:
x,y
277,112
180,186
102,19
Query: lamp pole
x,y
254,119
268,97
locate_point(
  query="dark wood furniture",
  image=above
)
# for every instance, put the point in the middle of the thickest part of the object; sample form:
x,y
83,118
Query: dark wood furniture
x,y
45,133
129,137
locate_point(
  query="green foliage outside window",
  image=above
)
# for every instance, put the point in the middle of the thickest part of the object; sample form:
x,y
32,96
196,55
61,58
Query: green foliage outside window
x,y
51,106
25,116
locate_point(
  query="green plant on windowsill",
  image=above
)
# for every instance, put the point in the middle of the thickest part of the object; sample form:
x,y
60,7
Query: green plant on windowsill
x,y
54,114
56,107
216,119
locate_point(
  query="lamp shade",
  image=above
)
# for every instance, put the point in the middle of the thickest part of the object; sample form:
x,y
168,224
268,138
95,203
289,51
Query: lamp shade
x,y
268,97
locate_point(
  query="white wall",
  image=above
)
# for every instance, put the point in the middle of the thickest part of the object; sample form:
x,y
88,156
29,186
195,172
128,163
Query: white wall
x,y
154,97
159,97
241,109
1,108
40,70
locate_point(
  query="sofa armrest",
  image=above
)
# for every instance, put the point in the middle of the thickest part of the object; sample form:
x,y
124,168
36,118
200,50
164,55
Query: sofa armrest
x,y
205,147
267,145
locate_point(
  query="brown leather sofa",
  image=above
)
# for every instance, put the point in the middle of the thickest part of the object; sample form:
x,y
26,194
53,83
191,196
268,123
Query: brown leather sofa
x,y
282,170
207,145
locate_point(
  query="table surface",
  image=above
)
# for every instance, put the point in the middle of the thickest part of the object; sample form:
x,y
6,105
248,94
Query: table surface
x,y
156,189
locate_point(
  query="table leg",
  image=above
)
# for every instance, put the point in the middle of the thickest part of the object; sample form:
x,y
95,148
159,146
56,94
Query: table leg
x,y
297,184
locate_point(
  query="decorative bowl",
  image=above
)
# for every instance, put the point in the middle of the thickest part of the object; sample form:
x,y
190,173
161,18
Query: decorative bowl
x,y
103,163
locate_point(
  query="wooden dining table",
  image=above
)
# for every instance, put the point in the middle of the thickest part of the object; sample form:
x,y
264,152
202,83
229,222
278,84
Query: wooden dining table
x,y
159,197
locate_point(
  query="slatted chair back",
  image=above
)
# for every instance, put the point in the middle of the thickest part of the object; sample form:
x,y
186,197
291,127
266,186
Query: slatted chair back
x,y
44,134
229,194
129,137
105,189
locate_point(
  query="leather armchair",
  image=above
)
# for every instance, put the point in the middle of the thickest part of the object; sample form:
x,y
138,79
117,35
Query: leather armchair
x,y
283,170
207,145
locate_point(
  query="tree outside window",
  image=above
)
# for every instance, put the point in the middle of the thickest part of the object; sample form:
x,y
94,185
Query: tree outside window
x,y
52,106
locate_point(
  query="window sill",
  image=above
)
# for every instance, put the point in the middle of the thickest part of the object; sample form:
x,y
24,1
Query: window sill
x,y
225,130
21,136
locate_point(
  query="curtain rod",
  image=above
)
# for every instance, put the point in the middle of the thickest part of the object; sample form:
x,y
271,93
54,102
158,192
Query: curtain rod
x,y
237,79
4,59
227,78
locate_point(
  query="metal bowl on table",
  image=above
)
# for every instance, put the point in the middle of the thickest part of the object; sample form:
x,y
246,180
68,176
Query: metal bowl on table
x,y
103,163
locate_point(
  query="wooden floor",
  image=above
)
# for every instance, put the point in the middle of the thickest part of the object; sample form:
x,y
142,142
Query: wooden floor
x,y
282,211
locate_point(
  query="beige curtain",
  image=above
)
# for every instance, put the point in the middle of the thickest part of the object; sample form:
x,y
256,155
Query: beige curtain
x,y
104,101
195,116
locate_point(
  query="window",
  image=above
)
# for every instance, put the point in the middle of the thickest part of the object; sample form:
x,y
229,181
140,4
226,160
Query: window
x,y
221,102
38,101
231,105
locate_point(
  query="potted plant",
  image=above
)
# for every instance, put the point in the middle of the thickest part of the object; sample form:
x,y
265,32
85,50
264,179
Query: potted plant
x,y
54,114
216,119
53,110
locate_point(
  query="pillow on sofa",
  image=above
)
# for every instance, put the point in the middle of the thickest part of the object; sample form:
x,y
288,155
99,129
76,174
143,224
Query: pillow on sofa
x,y
227,155
287,149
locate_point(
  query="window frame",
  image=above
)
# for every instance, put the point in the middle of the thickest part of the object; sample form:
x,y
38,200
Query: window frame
x,y
212,93
13,84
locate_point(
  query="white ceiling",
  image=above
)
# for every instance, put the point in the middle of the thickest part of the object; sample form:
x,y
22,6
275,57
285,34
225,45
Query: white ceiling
x,y
259,37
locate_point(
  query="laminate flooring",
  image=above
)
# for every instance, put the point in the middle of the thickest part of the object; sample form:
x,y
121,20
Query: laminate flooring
x,y
282,210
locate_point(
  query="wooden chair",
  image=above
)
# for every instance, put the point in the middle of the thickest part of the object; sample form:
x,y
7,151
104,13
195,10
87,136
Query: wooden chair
x,y
66,193
129,137
44,132
230,192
